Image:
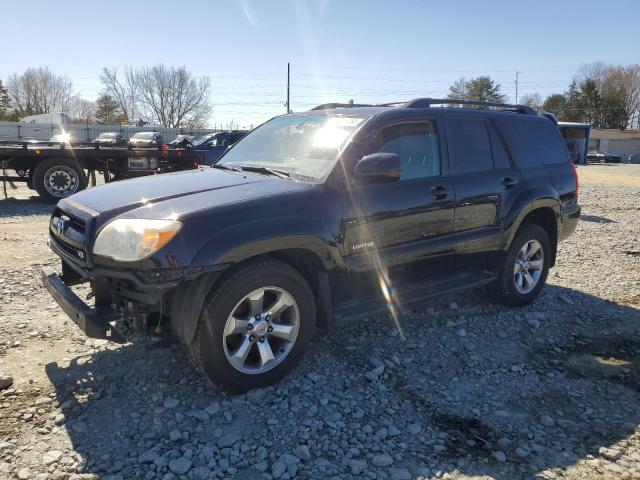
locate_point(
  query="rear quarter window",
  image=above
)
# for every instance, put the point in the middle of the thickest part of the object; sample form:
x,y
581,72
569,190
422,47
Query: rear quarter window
x,y
535,141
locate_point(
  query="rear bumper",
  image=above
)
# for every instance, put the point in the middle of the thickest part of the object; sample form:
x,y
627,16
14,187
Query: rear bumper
x,y
570,215
94,323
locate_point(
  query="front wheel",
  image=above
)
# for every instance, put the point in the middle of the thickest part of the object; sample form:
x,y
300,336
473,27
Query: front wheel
x,y
255,326
525,267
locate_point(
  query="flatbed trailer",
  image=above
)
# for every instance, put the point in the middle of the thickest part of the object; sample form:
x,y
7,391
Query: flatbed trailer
x,y
56,170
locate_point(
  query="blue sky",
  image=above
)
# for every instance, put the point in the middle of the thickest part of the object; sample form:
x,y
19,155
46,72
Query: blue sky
x,y
371,51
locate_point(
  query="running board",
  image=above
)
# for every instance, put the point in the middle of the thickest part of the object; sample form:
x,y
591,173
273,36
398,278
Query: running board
x,y
410,293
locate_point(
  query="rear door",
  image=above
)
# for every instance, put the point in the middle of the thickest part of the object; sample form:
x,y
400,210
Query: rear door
x,y
486,184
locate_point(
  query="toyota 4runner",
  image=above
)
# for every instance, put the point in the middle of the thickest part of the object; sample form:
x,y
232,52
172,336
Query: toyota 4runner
x,y
315,218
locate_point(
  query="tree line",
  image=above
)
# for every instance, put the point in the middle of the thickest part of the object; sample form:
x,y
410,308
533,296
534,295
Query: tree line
x,y
606,96
168,96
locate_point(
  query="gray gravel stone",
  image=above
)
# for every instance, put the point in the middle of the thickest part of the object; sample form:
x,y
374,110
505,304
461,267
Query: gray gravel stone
x,y
382,460
610,453
52,456
302,452
500,456
5,382
180,466
547,421
400,474
229,439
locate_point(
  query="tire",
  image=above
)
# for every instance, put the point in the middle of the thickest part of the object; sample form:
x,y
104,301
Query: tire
x,y
214,345
513,289
57,178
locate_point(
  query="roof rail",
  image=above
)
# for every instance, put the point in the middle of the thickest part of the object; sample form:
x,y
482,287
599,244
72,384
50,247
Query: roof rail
x,y
427,102
329,106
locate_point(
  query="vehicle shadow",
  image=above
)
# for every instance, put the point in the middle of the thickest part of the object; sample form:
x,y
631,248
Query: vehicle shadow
x,y
596,219
23,207
570,356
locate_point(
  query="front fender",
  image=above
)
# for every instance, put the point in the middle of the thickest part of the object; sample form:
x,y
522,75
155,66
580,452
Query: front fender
x,y
264,236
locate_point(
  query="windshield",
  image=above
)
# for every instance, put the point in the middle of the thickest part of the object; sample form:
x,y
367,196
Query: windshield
x,y
107,135
144,135
303,146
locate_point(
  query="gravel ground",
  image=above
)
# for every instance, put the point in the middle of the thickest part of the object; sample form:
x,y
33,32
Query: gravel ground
x,y
476,391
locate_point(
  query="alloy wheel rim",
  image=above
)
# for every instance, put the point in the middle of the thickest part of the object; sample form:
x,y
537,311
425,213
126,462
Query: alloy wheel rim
x,y
261,330
528,266
61,181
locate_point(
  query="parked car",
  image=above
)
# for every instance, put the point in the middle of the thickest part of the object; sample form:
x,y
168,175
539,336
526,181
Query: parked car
x,y
182,141
146,139
315,218
210,147
110,138
595,156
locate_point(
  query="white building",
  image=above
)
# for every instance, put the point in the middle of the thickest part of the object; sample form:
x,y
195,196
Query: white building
x,y
619,142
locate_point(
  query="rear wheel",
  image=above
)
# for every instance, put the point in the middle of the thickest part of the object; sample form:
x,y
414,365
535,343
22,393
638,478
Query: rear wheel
x,y
57,178
255,326
525,267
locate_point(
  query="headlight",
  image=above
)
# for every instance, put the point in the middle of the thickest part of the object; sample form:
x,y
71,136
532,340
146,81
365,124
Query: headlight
x,y
128,240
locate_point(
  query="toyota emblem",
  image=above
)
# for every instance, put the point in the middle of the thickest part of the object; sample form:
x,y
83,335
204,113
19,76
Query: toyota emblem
x,y
60,225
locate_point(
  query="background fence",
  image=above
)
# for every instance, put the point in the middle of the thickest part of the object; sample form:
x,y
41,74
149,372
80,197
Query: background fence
x,y
87,132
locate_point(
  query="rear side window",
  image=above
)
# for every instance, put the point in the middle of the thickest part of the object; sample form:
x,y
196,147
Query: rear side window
x,y
501,157
417,146
469,145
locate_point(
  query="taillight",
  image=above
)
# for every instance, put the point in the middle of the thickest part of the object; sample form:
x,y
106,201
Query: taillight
x,y
575,175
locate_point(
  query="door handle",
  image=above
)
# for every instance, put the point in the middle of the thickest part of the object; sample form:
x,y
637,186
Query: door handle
x,y
439,192
508,182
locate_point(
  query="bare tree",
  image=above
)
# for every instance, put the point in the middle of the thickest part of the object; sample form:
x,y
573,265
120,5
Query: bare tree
x,y
532,99
82,110
173,95
619,86
122,88
38,90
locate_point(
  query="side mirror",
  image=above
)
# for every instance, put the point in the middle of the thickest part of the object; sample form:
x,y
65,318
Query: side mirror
x,y
378,167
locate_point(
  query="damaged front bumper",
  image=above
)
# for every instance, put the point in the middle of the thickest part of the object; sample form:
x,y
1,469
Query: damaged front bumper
x,y
95,323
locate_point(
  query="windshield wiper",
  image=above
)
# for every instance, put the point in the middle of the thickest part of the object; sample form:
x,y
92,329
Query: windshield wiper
x,y
222,166
271,171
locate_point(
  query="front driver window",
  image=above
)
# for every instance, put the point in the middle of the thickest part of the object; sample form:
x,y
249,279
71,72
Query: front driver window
x,y
417,146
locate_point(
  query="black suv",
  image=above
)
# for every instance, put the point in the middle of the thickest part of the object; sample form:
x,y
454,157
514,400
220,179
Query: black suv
x,y
315,218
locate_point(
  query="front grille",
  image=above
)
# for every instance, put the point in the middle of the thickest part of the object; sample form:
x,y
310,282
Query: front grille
x,y
71,240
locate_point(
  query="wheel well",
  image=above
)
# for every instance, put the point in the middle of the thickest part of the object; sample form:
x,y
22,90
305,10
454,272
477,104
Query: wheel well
x,y
545,218
310,266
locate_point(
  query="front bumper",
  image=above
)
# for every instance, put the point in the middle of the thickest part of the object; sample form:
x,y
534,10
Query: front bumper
x,y
93,322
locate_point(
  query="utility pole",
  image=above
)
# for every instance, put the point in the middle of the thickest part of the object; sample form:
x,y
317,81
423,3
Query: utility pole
x,y
517,74
288,87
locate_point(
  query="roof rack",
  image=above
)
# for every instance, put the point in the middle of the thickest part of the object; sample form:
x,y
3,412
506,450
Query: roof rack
x,y
428,102
329,106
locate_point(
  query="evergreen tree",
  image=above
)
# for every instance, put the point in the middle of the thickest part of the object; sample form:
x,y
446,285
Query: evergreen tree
x,y
481,88
108,111
556,104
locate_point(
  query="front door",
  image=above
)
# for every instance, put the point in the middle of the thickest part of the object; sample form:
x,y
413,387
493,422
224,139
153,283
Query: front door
x,y
392,224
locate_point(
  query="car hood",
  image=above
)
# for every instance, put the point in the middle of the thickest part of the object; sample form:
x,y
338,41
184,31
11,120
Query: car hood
x,y
174,195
